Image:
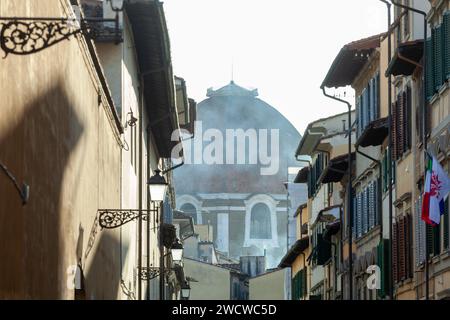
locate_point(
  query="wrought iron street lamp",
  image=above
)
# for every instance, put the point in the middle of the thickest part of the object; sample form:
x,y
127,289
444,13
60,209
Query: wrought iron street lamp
x,y
177,251
158,186
185,291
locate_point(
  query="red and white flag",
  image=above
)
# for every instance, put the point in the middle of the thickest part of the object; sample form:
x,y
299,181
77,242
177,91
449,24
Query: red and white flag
x,y
436,189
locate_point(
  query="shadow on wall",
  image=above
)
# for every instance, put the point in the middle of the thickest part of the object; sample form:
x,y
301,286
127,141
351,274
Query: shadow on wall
x,y
37,150
106,254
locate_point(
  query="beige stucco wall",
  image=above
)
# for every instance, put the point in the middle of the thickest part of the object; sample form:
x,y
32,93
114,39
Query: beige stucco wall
x,y
269,286
58,138
213,281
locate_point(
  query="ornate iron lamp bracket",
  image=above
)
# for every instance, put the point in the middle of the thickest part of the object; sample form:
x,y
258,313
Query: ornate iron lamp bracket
x,y
24,35
151,273
115,218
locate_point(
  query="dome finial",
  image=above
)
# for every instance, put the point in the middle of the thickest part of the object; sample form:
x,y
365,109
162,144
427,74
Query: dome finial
x,y
232,71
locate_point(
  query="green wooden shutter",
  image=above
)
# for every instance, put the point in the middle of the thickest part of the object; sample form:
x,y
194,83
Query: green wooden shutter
x,y
394,130
438,58
437,240
429,237
430,66
446,44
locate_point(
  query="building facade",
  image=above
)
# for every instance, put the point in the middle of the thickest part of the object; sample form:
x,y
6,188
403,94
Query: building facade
x,y
84,139
238,187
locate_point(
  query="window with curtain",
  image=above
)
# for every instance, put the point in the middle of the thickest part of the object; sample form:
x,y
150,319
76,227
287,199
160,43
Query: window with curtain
x,y
260,222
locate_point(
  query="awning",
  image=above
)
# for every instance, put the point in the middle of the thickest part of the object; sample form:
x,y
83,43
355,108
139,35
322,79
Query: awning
x,y
310,139
406,58
350,60
298,247
374,134
302,175
336,169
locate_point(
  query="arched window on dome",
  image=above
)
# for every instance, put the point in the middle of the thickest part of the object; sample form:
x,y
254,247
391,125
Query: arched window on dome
x,y
260,224
190,210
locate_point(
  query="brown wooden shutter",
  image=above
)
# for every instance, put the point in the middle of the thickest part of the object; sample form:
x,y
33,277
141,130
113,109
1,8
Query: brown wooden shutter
x,y
401,249
408,246
394,253
409,109
394,130
400,126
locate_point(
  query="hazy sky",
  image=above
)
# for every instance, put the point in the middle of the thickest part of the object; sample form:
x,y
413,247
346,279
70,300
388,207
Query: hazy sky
x,y
283,47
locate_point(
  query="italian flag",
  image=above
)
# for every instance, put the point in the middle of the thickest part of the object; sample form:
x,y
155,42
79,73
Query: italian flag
x,y
436,189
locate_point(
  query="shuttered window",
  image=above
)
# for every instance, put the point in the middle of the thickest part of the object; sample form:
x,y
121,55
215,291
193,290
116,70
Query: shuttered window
x,y
408,246
433,240
407,117
402,248
365,212
372,205
366,215
400,118
419,233
438,57
355,213
401,123
359,215
430,72
395,252
446,44
438,61
394,131
367,104
299,287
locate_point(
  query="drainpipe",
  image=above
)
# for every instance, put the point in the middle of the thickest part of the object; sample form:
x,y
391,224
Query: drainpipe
x,y
349,190
424,115
389,154
341,249
140,189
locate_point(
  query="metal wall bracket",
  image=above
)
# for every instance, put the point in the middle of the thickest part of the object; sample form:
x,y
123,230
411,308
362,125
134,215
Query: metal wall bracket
x,y
25,35
115,218
151,273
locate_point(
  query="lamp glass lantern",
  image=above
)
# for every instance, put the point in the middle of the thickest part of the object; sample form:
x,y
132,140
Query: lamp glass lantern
x,y
185,292
177,251
158,186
